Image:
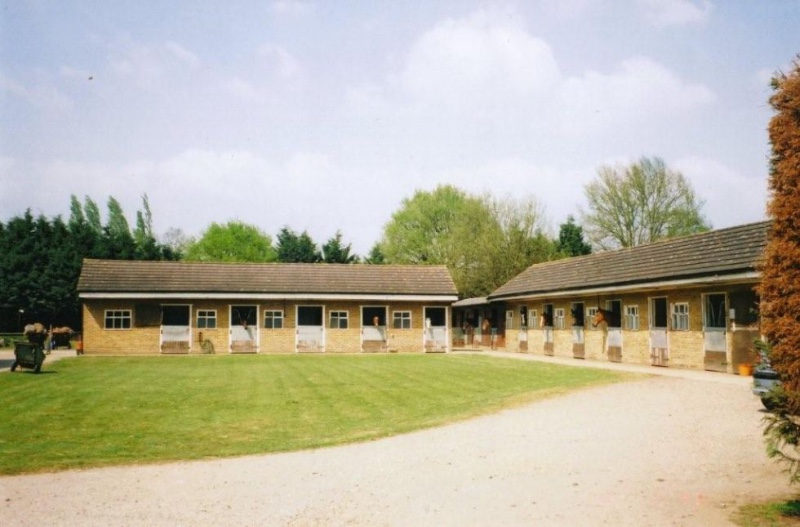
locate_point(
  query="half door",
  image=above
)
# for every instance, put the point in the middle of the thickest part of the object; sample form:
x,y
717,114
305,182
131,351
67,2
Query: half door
x,y
310,329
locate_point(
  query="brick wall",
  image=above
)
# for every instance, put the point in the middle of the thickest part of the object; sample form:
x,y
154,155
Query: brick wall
x,y
686,348
146,340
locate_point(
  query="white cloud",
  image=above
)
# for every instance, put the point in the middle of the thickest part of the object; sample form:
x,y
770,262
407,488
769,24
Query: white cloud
x,y
484,59
242,89
42,95
730,197
292,7
183,54
279,60
664,13
151,66
638,91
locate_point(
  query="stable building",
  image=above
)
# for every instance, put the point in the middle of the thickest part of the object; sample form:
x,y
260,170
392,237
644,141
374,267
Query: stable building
x,y
148,307
688,302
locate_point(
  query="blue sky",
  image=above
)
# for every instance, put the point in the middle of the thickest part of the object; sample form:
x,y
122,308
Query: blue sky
x,y
323,116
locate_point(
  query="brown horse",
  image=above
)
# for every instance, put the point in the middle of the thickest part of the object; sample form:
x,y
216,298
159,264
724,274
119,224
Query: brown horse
x,y
604,315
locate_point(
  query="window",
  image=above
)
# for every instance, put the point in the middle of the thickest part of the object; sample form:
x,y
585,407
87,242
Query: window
x,y
376,316
559,318
714,312
590,314
401,320
273,319
680,316
207,319
576,311
535,322
614,320
547,315
658,312
632,317
339,319
118,319
509,319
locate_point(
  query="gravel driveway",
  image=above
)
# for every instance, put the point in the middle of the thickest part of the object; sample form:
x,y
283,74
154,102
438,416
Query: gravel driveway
x,y
682,448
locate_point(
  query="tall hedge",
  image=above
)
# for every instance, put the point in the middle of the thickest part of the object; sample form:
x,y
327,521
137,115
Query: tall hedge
x,y
780,287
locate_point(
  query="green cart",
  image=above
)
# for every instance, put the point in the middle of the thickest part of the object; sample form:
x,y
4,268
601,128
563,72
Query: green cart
x,y
28,355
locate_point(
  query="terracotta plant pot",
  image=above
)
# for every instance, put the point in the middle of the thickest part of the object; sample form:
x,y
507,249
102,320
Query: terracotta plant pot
x,y
745,370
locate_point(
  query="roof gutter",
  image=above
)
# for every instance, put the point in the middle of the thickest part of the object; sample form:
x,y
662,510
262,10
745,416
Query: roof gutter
x,y
740,278
267,296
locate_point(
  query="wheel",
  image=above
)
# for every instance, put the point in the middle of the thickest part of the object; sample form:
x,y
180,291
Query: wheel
x,y
768,403
13,365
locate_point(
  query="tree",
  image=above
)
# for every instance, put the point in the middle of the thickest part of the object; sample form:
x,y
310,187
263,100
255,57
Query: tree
x,y
294,248
483,241
780,284
117,240
639,204
234,241
177,241
92,212
521,240
41,259
439,228
334,251
147,248
428,228
375,255
570,239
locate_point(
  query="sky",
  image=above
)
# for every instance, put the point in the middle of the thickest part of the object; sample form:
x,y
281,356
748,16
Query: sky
x,y
324,116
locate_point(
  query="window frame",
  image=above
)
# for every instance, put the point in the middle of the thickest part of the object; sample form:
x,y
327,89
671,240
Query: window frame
x,y
342,318
203,316
401,319
631,316
559,318
589,315
676,317
274,315
120,315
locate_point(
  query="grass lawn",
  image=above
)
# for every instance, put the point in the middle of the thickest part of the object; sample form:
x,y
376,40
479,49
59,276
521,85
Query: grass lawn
x,y
95,411
778,514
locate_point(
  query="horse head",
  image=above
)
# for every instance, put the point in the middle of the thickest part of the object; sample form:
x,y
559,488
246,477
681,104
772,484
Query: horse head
x,y
604,315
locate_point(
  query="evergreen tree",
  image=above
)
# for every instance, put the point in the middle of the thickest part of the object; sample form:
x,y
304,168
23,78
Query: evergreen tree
x,y
147,248
117,241
375,255
334,251
294,248
76,216
92,212
570,239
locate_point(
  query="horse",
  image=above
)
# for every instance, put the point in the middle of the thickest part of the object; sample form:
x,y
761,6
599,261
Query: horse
x,y
604,315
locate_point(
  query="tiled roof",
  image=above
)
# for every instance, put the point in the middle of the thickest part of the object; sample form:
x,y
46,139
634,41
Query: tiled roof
x,y
125,276
714,253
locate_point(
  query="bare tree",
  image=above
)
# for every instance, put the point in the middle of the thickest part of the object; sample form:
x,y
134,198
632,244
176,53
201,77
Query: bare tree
x,y
639,204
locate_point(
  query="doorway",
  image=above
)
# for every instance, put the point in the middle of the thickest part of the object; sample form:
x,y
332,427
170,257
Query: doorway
x,y
244,329
659,344
435,334
175,329
310,329
715,323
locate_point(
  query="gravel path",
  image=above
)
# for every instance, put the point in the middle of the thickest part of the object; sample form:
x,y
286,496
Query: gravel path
x,y
683,448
